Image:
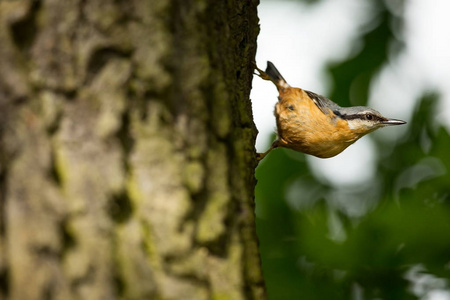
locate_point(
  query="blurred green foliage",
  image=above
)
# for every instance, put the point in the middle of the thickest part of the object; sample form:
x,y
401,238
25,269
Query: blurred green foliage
x,y
312,249
304,1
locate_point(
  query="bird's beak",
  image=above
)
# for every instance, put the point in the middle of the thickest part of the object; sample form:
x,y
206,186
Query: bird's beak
x,y
393,122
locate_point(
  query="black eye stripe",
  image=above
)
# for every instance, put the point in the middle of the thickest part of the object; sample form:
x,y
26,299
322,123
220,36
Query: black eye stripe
x,y
363,116
374,117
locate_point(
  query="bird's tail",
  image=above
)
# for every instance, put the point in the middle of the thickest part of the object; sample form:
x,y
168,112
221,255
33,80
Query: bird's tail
x,y
273,75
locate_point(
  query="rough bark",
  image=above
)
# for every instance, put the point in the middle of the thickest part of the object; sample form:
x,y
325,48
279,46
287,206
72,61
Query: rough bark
x,y
127,150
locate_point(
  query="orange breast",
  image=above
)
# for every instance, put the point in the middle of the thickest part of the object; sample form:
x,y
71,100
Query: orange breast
x,y
303,127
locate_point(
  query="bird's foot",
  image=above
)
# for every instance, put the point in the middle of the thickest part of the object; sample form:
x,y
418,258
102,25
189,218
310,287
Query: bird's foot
x,y
260,73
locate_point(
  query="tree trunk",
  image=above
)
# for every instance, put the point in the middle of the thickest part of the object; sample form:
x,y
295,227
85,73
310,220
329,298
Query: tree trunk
x,y
127,150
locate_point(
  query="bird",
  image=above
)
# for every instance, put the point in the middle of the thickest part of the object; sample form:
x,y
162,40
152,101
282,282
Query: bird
x,y
313,124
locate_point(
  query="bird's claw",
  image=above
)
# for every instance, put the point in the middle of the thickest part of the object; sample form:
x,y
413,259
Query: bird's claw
x,y
260,73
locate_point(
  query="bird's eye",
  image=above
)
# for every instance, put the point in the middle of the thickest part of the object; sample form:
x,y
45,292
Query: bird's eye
x,y
369,117
290,107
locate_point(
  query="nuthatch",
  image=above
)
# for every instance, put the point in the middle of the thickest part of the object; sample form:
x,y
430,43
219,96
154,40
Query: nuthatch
x,y
312,124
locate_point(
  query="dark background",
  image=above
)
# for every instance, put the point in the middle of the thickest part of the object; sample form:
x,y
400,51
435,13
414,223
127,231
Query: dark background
x,y
313,248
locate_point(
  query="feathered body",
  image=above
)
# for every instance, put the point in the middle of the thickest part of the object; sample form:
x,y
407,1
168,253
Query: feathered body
x,y
312,124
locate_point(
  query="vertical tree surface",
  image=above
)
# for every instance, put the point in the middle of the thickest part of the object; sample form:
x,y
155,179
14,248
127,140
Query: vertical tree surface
x,y
127,150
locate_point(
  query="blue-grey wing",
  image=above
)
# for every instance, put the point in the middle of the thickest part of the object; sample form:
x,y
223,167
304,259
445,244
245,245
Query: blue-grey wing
x,y
323,103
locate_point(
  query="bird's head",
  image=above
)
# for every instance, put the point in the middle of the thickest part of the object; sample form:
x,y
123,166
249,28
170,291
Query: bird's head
x,y
363,120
